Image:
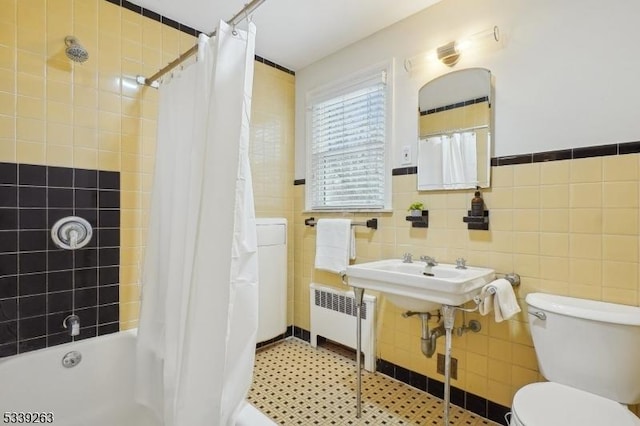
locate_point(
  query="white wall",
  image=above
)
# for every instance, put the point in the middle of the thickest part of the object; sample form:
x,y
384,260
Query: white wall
x,y
566,75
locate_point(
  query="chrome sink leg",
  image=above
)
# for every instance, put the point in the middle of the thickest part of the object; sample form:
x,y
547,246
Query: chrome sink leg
x,y
359,294
448,313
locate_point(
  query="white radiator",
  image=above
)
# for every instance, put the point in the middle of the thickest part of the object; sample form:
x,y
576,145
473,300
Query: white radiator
x,y
333,316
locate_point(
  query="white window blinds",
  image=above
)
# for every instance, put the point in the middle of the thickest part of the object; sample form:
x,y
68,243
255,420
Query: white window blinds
x,y
347,149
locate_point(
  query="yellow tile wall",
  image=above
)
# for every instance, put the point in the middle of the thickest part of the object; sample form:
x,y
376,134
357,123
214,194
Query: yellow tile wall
x,y
272,153
567,227
93,115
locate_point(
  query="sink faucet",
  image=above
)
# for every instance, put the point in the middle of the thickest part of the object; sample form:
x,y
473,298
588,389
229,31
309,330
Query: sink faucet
x,y
407,258
461,263
430,261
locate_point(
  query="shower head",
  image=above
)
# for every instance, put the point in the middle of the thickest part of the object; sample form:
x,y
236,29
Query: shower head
x,y
74,50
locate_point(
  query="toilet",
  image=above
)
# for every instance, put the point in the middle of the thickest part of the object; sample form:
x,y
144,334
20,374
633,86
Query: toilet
x,y
590,353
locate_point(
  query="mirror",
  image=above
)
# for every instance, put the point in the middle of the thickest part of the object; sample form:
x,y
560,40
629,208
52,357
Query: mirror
x,y
455,126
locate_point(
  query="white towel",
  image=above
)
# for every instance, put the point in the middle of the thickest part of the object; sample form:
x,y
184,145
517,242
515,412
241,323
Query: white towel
x,y
335,244
498,295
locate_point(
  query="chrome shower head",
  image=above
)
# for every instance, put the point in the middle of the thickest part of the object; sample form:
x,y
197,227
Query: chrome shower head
x,y
74,50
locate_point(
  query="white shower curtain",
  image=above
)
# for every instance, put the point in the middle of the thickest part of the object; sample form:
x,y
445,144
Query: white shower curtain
x,y
459,161
198,319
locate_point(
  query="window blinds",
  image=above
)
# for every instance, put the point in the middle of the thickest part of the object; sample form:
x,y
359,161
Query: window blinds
x,y
348,147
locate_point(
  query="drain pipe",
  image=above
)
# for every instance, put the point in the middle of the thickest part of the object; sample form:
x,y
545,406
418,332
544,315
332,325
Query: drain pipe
x,y
429,337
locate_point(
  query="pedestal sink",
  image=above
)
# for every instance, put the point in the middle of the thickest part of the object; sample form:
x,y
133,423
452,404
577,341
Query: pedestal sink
x,y
407,286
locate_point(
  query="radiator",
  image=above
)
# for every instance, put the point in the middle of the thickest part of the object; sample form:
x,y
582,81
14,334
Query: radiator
x,y
333,316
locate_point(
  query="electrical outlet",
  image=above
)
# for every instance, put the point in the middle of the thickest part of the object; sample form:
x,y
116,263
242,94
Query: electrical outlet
x,y
406,154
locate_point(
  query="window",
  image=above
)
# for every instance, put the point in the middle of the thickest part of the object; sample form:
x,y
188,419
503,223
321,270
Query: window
x,y
347,130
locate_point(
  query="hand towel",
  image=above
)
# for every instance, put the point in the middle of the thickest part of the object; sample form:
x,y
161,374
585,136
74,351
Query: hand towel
x,y
334,244
498,295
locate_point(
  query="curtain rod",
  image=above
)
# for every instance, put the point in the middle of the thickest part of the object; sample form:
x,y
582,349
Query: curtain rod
x,y
236,19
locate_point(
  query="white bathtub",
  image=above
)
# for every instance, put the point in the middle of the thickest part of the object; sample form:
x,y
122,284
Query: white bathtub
x,y
97,392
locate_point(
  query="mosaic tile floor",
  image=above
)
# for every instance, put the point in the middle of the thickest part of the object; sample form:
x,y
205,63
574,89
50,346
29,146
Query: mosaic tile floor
x,y
295,384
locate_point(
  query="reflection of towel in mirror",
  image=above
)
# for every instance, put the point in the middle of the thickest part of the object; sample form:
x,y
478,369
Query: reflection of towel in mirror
x,y
459,160
499,296
430,163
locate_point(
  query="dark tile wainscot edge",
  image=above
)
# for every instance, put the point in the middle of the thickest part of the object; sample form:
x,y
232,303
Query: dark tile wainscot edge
x,y
541,157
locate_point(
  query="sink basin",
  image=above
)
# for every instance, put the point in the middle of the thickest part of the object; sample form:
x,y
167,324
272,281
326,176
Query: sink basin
x,y
407,287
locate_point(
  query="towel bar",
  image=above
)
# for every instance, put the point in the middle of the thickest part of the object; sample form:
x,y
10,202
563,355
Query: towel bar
x,y
371,223
513,278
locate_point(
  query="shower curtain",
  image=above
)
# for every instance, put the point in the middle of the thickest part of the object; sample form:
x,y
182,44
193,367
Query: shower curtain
x,y
198,318
459,161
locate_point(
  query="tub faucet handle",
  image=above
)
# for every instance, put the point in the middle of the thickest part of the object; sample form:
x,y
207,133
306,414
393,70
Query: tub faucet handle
x,y
72,322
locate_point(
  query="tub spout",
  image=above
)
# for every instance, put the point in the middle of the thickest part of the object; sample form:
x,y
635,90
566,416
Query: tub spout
x,y
72,323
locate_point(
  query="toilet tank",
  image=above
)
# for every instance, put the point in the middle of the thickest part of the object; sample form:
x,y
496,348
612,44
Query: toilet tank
x,y
587,344
272,277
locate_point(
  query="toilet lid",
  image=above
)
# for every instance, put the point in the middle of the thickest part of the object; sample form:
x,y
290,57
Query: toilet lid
x,y
553,404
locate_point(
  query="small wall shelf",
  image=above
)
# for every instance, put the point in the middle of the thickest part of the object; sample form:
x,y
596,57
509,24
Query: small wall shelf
x,y
419,221
477,222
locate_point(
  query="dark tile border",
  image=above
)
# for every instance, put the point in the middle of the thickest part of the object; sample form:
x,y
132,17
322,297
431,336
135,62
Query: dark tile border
x,y
467,400
595,151
151,15
148,13
412,170
628,148
456,105
288,333
541,157
130,6
274,65
171,23
564,154
302,334
570,154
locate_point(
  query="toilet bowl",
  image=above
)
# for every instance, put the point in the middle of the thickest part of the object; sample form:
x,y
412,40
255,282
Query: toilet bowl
x,y
589,352
553,404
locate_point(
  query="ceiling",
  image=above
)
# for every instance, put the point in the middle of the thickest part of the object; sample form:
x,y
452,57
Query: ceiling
x,y
295,33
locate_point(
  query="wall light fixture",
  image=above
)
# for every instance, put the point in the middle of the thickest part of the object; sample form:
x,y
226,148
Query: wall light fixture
x,y
449,53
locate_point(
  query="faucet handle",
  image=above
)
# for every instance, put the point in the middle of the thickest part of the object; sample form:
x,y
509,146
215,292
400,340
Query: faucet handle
x,y
461,263
72,322
407,258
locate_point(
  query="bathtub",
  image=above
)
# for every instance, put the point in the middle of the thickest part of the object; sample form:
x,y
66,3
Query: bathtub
x,y
98,391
